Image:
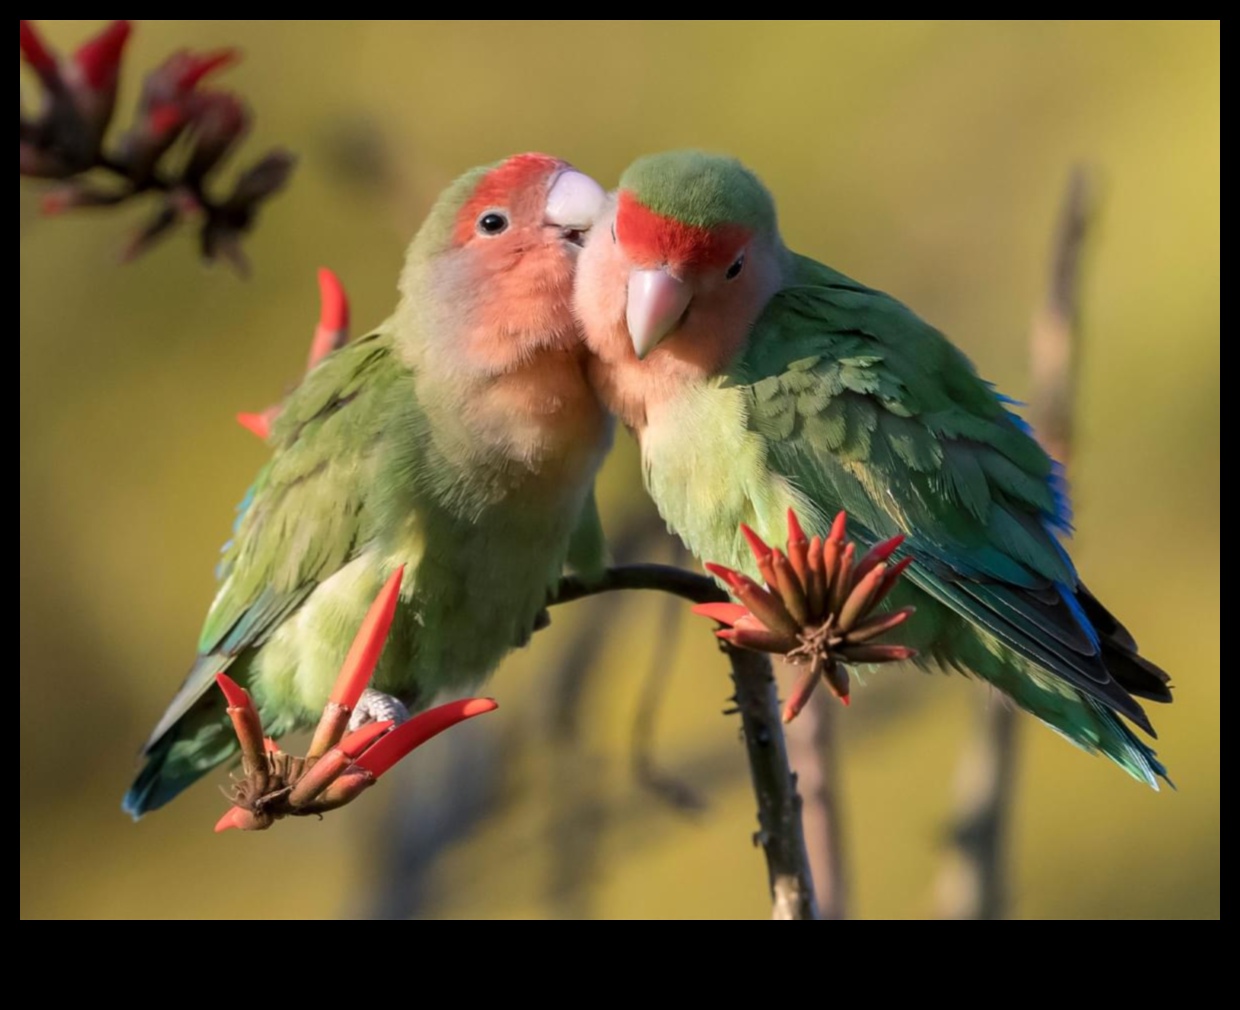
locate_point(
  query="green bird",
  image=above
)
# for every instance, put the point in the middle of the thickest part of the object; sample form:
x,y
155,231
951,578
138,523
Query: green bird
x,y
758,380
459,439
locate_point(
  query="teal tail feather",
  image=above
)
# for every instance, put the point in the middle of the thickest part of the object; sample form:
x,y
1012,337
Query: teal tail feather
x,y
198,742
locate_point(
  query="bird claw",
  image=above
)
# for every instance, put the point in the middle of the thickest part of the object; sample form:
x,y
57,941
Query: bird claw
x,y
375,706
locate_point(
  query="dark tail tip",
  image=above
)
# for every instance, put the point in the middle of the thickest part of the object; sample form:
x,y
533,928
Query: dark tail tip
x,y
160,779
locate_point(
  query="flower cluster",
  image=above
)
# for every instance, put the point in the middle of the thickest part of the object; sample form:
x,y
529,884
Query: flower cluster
x,y
339,766
819,608
65,140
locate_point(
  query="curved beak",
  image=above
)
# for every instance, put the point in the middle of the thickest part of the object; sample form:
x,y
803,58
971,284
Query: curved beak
x,y
574,203
657,303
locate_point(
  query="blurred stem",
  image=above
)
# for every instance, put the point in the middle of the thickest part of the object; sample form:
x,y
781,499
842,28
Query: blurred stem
x,y
646,770
814,756
973,882
779,807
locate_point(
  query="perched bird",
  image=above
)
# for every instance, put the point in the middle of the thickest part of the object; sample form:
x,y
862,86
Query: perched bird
x,y
459,439
757,380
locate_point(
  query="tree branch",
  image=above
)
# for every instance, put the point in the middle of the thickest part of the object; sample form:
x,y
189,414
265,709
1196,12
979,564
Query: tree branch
x,y
972,884
815,756
779,807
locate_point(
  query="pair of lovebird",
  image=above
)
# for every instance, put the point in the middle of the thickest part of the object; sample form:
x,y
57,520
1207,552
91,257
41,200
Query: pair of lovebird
x,y
461,439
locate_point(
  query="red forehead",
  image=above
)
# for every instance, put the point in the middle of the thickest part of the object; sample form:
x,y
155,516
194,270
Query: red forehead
x,y
500,186
649,237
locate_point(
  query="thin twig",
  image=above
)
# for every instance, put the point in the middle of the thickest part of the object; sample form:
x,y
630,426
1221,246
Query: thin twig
x,y
779,807
647,772
973,882
815,758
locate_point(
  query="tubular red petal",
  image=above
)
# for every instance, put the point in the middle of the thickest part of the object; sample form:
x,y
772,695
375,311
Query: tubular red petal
x,y
876,653
802,691
320,775
332,332
348,787
270,746
36,52
858,601
836,678
890,580
720,572
248,727
879,552
100,57
359,664
259,424
758,639
839,528
795,532
416,731
756,544
239,818
761,553
842,581
238,696
333,301
790,588
815,580
193,67
766,607
724,613
879,624
356,742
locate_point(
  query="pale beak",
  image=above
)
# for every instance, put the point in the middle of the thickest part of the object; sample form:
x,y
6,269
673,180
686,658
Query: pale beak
x,y
657,302
574,203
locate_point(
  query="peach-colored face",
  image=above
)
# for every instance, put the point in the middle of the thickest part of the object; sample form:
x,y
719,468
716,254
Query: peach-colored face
x,y
672,301
512,260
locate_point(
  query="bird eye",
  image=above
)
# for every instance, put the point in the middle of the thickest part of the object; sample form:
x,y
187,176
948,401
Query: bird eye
x,y
735,269
492,223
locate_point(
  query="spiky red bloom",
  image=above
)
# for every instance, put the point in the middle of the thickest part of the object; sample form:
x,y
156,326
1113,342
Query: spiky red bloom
x,y
818,608
339,766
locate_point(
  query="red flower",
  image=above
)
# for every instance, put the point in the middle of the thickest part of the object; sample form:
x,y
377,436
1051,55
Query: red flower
x,y
818,608
338,767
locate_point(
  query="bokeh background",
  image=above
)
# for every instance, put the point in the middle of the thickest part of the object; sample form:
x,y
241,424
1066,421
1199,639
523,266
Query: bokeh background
x,y
925,158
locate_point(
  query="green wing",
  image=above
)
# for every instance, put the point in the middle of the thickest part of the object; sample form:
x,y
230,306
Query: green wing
x,y
587,549
304,518
865,407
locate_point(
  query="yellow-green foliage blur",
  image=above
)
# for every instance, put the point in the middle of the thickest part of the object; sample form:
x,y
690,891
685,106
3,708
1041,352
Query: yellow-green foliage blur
x,y
924,158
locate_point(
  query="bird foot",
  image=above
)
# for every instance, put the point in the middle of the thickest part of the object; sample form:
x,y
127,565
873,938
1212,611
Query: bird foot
x,y
375,706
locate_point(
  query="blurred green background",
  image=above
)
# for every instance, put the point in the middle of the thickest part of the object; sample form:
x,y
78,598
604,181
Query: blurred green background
x,y
925,158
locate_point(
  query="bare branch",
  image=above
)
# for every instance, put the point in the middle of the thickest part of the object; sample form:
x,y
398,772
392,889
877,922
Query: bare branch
x,y
972,884
815,757
779,806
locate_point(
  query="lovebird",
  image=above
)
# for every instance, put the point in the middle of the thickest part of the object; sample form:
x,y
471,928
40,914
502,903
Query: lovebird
x,y
758,380
459,439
